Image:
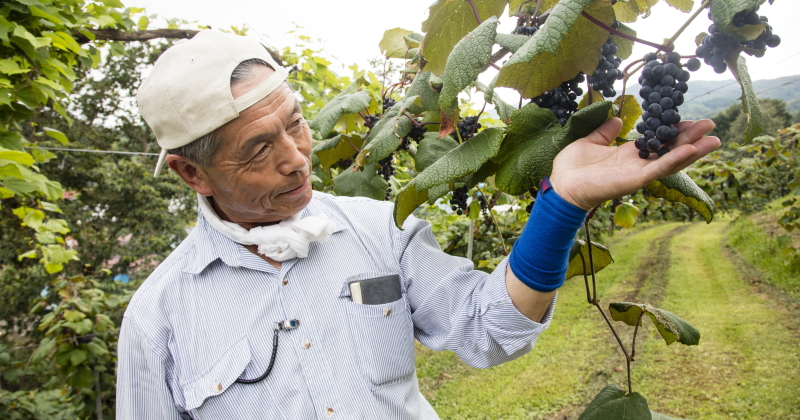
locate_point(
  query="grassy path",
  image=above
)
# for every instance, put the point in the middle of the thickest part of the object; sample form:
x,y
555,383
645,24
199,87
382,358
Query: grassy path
x,y
747,364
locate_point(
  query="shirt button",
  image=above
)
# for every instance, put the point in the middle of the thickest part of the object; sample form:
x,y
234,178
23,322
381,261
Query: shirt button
x,y
306,343
285,281
218,387
387,311
329,413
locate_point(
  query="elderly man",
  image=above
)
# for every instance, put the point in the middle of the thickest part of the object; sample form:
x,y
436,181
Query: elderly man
x,y
285,303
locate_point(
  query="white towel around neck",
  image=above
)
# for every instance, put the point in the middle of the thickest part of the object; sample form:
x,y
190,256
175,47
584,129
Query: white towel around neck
x,y
290,238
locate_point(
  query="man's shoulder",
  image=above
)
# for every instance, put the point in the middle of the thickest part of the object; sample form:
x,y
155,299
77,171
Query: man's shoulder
x,y
353,208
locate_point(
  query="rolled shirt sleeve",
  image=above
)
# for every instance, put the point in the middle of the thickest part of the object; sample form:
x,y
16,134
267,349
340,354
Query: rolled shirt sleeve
x,y
457,308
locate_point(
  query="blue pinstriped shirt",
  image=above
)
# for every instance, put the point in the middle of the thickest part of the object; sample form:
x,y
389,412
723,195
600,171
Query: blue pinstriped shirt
x,y
205,317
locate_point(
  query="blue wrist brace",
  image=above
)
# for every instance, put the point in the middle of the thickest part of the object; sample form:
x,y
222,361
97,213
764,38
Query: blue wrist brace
x,y
540,255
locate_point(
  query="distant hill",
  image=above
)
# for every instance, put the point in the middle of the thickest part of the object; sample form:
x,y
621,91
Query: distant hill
x,y
724,93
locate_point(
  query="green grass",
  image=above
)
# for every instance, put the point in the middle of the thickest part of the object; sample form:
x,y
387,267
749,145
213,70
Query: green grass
x,y
746,365
762,250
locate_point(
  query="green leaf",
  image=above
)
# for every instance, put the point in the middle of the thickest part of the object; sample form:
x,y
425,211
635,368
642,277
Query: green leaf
x,y
684,6
533,140
448,21
336,149
74,316
750,105
394,44
11,67
96,349
612,404
80,328
387,134
596,97
629,11
45,346
408,199
11,169
82,378
474,210
19,157
670,326
431,148
625,46
600,255
344,103
429,97
59,136
465,159
77,356
511,42
723,11
464,64
629,113
365,182
112,3
680,188
625,215
565,45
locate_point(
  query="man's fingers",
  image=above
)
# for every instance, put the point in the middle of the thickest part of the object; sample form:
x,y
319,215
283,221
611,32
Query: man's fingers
x,y
692,131
606,133
702,147
667,164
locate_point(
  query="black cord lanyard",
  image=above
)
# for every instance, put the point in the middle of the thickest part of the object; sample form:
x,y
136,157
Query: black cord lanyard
x,y
279,326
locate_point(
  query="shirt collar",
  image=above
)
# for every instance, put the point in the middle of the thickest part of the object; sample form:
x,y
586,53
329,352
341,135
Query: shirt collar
x,y
211,245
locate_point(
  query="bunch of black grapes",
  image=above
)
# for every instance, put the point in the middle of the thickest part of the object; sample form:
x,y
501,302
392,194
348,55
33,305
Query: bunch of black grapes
x,y
717,45
386,170
607,71
371,120
388,103
416,134
526,30
466,128
663,85
459,200
562,100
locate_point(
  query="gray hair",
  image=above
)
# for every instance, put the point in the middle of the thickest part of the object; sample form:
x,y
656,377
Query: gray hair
x,y
202,150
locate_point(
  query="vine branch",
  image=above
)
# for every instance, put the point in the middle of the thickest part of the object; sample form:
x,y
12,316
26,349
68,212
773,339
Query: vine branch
x,y
594,20
491,214
688,22
475,10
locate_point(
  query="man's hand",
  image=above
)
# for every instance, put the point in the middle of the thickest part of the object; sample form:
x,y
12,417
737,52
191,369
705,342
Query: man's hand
x,y
588,172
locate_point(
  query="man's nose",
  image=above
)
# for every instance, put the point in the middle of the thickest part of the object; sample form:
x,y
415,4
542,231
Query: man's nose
x,y
292,157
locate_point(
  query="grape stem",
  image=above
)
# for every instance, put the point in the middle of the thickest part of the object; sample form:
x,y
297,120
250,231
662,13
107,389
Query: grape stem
x,y
536,11
688,22
475,10
635,330
519,10
475,126
667,48
494,66
589,91
491,214
353,145
586,279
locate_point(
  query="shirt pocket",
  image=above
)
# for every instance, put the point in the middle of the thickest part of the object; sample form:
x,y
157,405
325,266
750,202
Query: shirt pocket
x,y
382,336
219,377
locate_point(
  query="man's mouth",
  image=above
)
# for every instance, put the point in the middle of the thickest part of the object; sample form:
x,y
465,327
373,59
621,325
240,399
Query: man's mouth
x,y
297,189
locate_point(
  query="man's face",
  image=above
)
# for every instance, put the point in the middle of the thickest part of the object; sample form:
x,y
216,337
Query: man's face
x,y
261,170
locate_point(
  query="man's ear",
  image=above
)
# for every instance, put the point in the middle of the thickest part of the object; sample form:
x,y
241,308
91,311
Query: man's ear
x,y
191,174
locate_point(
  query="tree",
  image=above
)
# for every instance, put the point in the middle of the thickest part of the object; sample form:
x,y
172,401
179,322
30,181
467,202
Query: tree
x,y
731,123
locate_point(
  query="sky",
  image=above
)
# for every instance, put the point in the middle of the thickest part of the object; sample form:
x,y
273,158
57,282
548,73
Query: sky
x,y
349,30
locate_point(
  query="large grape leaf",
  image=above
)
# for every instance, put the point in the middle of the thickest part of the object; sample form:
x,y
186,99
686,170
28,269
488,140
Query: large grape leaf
x,y
365,182
529,6
612,404
337,148
533,140
431,148
465,159
448,21
408,199
600,255
680,188
393,44
629,113
465,62
625,46
723,11
387,134
684,6
511,42
629,11
625,215
429,98
566,44
750,105
596,97
344,103
671,327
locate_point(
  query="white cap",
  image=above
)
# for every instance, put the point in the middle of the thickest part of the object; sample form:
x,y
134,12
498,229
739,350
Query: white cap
x,y
188,92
